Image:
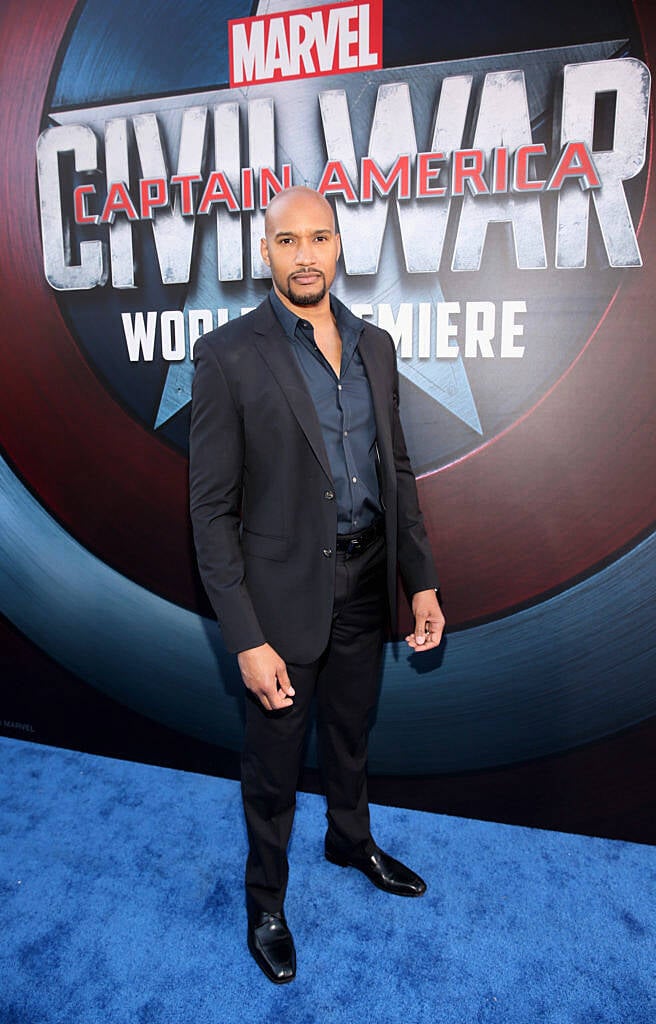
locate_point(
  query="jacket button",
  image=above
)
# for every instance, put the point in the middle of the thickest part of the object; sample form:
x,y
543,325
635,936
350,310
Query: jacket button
x,y
329,495
327,552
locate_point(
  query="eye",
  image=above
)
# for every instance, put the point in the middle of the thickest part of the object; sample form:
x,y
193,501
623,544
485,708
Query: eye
x,y
285,241
321,238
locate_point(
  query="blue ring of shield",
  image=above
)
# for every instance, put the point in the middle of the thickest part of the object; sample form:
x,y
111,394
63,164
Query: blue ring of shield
x,y
504,691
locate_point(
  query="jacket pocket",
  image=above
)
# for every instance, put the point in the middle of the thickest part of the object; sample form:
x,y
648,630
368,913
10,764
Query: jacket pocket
x,y
262,546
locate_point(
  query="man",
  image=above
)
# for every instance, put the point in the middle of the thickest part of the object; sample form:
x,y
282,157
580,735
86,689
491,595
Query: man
x,y
303,501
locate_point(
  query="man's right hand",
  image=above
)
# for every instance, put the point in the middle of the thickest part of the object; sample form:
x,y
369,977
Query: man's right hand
x,y
265,675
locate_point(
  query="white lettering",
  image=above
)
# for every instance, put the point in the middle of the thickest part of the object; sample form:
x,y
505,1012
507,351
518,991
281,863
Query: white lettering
x,y
510,330
247,52
629,80
277,54
301,41
173,335
347,37
367,58
335,38
446,330
200,322
140,335
325,41
478,335
60,270
473,324
399,326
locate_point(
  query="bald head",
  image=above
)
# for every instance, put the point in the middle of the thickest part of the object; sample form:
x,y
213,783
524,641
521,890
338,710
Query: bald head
x,y
297,197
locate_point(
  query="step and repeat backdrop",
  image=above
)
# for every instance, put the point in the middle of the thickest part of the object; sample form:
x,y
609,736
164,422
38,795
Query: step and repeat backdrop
x,y
491,170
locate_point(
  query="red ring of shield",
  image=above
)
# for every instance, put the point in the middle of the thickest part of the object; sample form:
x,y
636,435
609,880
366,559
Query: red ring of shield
x,y
561,491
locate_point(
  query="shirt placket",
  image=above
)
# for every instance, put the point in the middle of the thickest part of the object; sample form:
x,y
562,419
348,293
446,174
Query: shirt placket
x,y
345,407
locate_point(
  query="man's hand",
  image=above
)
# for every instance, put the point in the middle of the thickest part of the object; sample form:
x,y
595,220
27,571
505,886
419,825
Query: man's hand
x,y
265,674
429,621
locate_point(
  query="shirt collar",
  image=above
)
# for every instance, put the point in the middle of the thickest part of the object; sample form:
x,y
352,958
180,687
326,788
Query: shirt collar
x,y
346,320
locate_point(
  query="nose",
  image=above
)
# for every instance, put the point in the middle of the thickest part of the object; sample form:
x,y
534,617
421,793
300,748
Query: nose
x,y
304,253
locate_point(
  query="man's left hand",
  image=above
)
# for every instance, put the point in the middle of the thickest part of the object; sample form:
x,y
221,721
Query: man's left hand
x,y
429,621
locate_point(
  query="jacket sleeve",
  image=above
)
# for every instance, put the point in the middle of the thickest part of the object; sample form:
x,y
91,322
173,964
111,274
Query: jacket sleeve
x,y
414,554
216,455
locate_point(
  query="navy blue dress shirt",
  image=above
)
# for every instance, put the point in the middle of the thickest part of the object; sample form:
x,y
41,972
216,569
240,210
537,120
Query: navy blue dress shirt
x,y
345,412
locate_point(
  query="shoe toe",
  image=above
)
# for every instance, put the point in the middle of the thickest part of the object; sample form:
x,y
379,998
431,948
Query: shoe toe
x,y
384,871
272,946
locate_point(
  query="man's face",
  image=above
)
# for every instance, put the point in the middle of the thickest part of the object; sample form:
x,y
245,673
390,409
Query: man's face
x,y
301,247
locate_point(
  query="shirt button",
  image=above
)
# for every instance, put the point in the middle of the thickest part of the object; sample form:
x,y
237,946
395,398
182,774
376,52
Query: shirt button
x,y
346,433
339,387
327,552
354,479
329,495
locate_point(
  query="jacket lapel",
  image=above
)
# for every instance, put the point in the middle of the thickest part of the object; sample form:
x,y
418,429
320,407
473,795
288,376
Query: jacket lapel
x,y
276,350
381,389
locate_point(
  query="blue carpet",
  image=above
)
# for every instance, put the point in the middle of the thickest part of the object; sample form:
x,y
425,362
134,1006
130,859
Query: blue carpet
x,y
120,889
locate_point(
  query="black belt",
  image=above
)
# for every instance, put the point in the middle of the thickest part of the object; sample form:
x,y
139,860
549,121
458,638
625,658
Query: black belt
x,y
351,544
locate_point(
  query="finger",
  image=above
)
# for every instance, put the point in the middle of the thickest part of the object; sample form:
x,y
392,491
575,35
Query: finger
x,y
277,697
268,693
284,681
430,642
434,631
280,700
420,628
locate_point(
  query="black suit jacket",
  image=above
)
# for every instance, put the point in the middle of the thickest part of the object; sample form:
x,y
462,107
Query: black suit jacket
x,y
262,499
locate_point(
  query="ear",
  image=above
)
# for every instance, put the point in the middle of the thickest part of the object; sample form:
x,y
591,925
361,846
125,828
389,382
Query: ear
x,y
264,251
339,245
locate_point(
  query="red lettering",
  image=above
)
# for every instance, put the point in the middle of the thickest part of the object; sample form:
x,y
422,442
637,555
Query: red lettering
x,y
154,193
468,167
80,204
521,180
335,181
500,169
372,177
426,173
217,190
247,195
118,201
270,185
186,181
576,162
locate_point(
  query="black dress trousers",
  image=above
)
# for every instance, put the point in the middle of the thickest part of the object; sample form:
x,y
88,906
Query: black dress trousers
x,y
345,680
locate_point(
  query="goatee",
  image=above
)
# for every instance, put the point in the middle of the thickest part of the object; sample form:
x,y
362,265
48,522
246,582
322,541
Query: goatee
x,y
305,298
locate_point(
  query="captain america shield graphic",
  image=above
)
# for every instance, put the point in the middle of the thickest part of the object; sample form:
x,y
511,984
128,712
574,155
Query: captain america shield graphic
x,y
515,278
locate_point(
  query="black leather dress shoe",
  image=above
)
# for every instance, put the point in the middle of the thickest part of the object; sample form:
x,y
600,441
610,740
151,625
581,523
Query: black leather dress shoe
x,y
381,869
271,943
